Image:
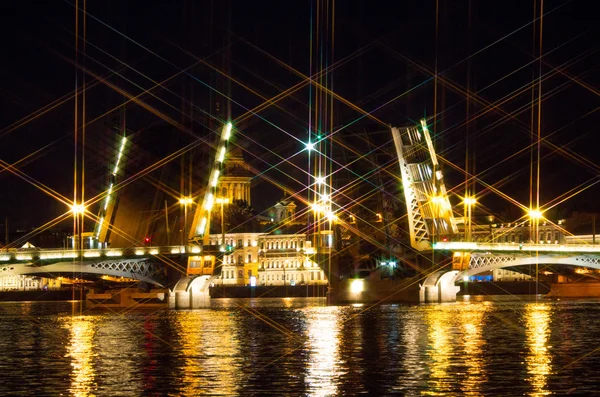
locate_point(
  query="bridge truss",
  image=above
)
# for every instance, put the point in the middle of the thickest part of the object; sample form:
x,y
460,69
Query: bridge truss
x,y
429,212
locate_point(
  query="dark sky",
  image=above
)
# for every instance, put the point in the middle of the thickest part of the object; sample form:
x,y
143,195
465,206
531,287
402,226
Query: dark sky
x,y
385,54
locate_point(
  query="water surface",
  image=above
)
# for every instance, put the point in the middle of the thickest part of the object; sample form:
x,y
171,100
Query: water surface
x,y
300,347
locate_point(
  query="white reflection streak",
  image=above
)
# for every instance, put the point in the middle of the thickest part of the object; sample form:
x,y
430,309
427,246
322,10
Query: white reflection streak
x,y
323,339
413,363
539,362
80,350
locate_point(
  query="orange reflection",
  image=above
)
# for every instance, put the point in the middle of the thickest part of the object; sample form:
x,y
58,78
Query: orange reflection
x,y
210,350
539,362
471,317
80,351
323,343
439,322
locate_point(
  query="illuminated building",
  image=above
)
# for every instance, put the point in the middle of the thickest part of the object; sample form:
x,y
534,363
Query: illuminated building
x,y
241,264
522,232
285,260
28,283
234,183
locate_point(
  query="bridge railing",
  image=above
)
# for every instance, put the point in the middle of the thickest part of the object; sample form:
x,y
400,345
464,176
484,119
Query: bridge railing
x,y
515,247
29,254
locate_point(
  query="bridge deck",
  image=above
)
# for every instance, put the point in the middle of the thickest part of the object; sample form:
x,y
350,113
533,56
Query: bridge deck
x,y
516,247
28,254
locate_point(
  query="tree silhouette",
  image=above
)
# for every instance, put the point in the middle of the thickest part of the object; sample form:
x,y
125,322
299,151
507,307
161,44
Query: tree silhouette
x,y
240,217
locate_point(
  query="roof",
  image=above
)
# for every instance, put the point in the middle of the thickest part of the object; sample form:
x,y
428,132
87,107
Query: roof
x,y
235,166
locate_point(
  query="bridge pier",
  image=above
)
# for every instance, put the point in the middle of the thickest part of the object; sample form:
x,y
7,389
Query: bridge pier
x,y
191,292
439,287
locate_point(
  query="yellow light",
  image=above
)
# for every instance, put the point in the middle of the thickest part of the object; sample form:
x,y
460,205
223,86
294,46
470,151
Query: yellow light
x,y
227,134
317,207
139,252
93,254
186,200
221,155
215,180
470,200
202,225
209,202
535,214
320,180
154,251
331,216
357,286
77,208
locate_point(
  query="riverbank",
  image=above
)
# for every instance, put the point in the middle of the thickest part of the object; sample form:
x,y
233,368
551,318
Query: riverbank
x,y
503,288
296,291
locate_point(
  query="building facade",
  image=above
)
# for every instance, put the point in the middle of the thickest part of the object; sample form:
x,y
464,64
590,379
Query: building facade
x,y
28,283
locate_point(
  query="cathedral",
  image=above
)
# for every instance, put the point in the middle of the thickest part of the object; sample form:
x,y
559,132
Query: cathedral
x,y
273,254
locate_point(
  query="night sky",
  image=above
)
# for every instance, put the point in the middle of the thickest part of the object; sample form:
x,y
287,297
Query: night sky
x,y
384,57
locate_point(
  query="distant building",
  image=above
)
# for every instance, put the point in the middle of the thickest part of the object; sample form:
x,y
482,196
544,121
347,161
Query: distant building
x,y
28,283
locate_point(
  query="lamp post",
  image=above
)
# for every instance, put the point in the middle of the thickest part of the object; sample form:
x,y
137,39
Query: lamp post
x,y
185,201
534,217
469,202
77,210
222,201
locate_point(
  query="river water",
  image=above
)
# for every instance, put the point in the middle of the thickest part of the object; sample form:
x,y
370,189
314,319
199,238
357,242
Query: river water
x,y
301,347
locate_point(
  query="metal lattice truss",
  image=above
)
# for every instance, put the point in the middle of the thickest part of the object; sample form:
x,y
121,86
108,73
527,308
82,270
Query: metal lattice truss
x,y
141,269
482,262
131,267
428,207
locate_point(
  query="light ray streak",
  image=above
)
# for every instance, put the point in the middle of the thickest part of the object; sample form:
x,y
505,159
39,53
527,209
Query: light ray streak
x,y
185,72
50,192
39,229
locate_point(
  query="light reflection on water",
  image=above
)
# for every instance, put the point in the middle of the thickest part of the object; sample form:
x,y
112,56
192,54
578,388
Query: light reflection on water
x,y
322,345
80,352
210,352
301,347
539,362
472,317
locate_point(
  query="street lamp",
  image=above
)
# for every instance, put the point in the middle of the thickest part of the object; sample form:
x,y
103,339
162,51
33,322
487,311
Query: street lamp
x,y
185,201
77,210
222,201
534,216
468,201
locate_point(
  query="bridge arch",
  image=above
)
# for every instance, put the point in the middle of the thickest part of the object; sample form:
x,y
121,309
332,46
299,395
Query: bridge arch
x,y
141,269
191,292
480,263
439,287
